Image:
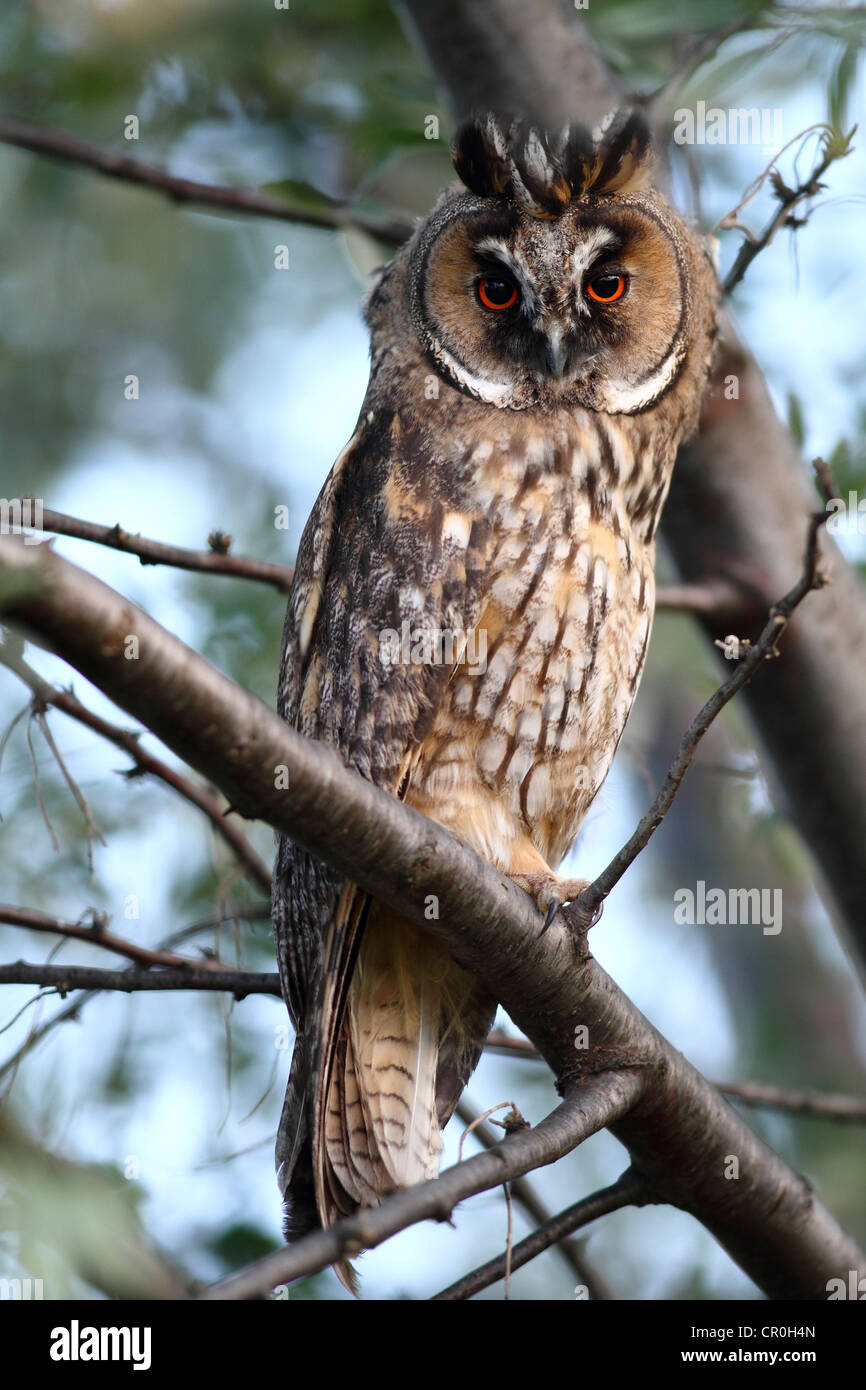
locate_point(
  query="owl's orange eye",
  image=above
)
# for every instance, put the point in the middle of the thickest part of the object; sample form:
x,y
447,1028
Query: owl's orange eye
x,y
495,292
606,289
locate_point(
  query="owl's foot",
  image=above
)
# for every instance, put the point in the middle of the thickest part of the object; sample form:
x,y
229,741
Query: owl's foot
x,y
550,892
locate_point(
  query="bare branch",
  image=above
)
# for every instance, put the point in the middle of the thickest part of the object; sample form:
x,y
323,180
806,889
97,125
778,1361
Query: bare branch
x,y
200,975
721,599
629,1190
330,214
587,1109
834,146
215,560
825,1105
96,935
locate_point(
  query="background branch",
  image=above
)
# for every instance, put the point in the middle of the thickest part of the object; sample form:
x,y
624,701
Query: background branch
x,y
135,979
330,214
96,935
216,560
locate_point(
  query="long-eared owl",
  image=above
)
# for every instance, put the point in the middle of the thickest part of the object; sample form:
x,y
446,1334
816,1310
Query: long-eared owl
x,y
472,602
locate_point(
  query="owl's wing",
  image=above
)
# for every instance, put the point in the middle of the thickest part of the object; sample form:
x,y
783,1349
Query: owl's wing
x,y
383,559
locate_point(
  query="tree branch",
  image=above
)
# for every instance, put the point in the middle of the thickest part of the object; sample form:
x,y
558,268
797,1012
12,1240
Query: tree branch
x,y
331,214
835,146
96,935
681,1134
199,975
828,1105
216,560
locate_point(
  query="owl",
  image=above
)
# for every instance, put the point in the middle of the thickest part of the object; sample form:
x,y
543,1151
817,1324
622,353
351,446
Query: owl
x,y
472,603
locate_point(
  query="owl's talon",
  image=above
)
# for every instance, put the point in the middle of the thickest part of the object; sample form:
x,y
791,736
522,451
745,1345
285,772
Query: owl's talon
x,y
549,892
551,913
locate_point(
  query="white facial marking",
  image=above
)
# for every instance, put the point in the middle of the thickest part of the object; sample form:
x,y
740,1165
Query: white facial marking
x,y
493,392
583,256
513,261
621,398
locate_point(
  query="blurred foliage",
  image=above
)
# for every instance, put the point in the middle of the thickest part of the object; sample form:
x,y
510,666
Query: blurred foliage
x,y
99,280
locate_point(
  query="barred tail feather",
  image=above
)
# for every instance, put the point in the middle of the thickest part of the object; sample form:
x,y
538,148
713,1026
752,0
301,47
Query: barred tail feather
x,y
394,1020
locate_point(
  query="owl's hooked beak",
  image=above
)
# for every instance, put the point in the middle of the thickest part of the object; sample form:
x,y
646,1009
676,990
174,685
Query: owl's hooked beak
x,y
555,352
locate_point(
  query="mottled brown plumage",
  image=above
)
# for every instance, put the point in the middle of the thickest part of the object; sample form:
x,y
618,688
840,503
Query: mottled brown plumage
x,y
502,487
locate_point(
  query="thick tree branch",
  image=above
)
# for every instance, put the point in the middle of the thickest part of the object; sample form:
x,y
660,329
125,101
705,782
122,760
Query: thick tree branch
x,y
329,213
587,1109
681,1135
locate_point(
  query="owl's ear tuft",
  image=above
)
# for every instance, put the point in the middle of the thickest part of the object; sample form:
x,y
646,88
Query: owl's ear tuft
x,y
480,155
623,153
499,156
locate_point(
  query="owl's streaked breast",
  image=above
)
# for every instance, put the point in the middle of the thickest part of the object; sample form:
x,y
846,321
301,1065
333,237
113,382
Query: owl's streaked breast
x,y
528,726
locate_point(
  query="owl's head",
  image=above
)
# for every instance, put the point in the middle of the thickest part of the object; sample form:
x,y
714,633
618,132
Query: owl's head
x,y
558,278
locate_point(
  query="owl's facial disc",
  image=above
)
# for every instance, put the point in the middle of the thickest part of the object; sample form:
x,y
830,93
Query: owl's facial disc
x,y
588,308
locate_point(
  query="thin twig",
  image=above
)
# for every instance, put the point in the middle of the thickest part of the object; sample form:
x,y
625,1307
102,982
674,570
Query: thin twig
x,y
836,146
629,1190
93,830
96,935
37,787
332,215
780,614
